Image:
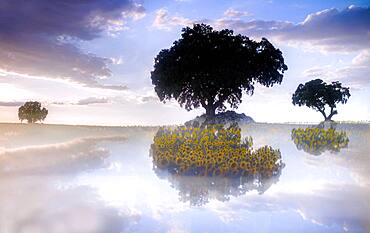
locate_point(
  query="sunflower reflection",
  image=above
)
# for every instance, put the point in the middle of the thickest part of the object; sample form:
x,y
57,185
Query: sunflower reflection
x,y
199,190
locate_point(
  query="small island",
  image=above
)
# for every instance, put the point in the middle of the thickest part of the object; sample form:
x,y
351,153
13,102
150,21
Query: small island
x,y
212,151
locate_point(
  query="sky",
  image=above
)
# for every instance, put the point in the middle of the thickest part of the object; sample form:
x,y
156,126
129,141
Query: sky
x,y
89,62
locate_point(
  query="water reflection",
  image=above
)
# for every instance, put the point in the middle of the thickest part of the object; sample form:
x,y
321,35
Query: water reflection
x,y
213,162
67,157
199,190
33,204
316,141
32,199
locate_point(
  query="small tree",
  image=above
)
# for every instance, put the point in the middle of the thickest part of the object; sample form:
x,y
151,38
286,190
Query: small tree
x,y
208,68
317,94
32,112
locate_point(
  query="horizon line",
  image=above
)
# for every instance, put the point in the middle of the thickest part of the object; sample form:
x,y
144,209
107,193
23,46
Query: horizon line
x,y
147,125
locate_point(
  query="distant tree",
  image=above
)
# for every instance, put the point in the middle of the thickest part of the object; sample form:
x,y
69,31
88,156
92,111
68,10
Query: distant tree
x,y
317,94
32,112
207,68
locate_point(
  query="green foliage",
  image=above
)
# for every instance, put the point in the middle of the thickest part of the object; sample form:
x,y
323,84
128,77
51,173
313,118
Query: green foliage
x,y
317,140
207,68
212,151
32,112
317,94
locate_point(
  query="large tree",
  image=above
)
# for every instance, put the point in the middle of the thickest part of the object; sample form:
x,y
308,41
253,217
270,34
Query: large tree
x,y
317,94
32,112
207,68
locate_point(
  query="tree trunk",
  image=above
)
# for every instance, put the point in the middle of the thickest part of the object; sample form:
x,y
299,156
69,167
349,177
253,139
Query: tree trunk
x,y
332,113
31,121
210,111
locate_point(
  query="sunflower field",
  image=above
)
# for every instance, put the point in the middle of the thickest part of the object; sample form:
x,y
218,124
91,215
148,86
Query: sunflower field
x,y
317,140
213,150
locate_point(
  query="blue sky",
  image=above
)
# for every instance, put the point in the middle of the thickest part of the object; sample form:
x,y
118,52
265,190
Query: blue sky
x,y
90,63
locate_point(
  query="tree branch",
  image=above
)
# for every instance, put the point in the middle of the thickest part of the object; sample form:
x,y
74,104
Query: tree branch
x,y
322,111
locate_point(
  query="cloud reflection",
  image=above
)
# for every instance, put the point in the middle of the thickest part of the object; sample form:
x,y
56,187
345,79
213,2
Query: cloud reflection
x,y
33,204
56,158
331,208
35,196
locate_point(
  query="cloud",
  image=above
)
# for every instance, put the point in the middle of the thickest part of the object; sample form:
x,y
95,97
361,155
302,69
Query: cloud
x,y
109,87
232,13
8,77
40,38
137,12
86,101
356,74
117,61
11,104
58,103
329,30
362,59
165,22
150,99
93,100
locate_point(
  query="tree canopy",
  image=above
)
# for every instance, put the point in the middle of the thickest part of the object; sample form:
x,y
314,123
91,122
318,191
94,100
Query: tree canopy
x,y
317,94
209,68
32,112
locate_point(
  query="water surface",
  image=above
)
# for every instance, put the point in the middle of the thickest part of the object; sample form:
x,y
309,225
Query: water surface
x,y
101,179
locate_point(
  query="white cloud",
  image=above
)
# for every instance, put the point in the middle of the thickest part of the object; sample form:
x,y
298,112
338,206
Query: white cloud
x,y
93,100
75,81
362,59
233,13
328,30
11,103
137,12
165,22
150,98
117,61
356,74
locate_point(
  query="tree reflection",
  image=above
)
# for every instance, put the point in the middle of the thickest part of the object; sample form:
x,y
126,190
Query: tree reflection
x,y
199,190
318,140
